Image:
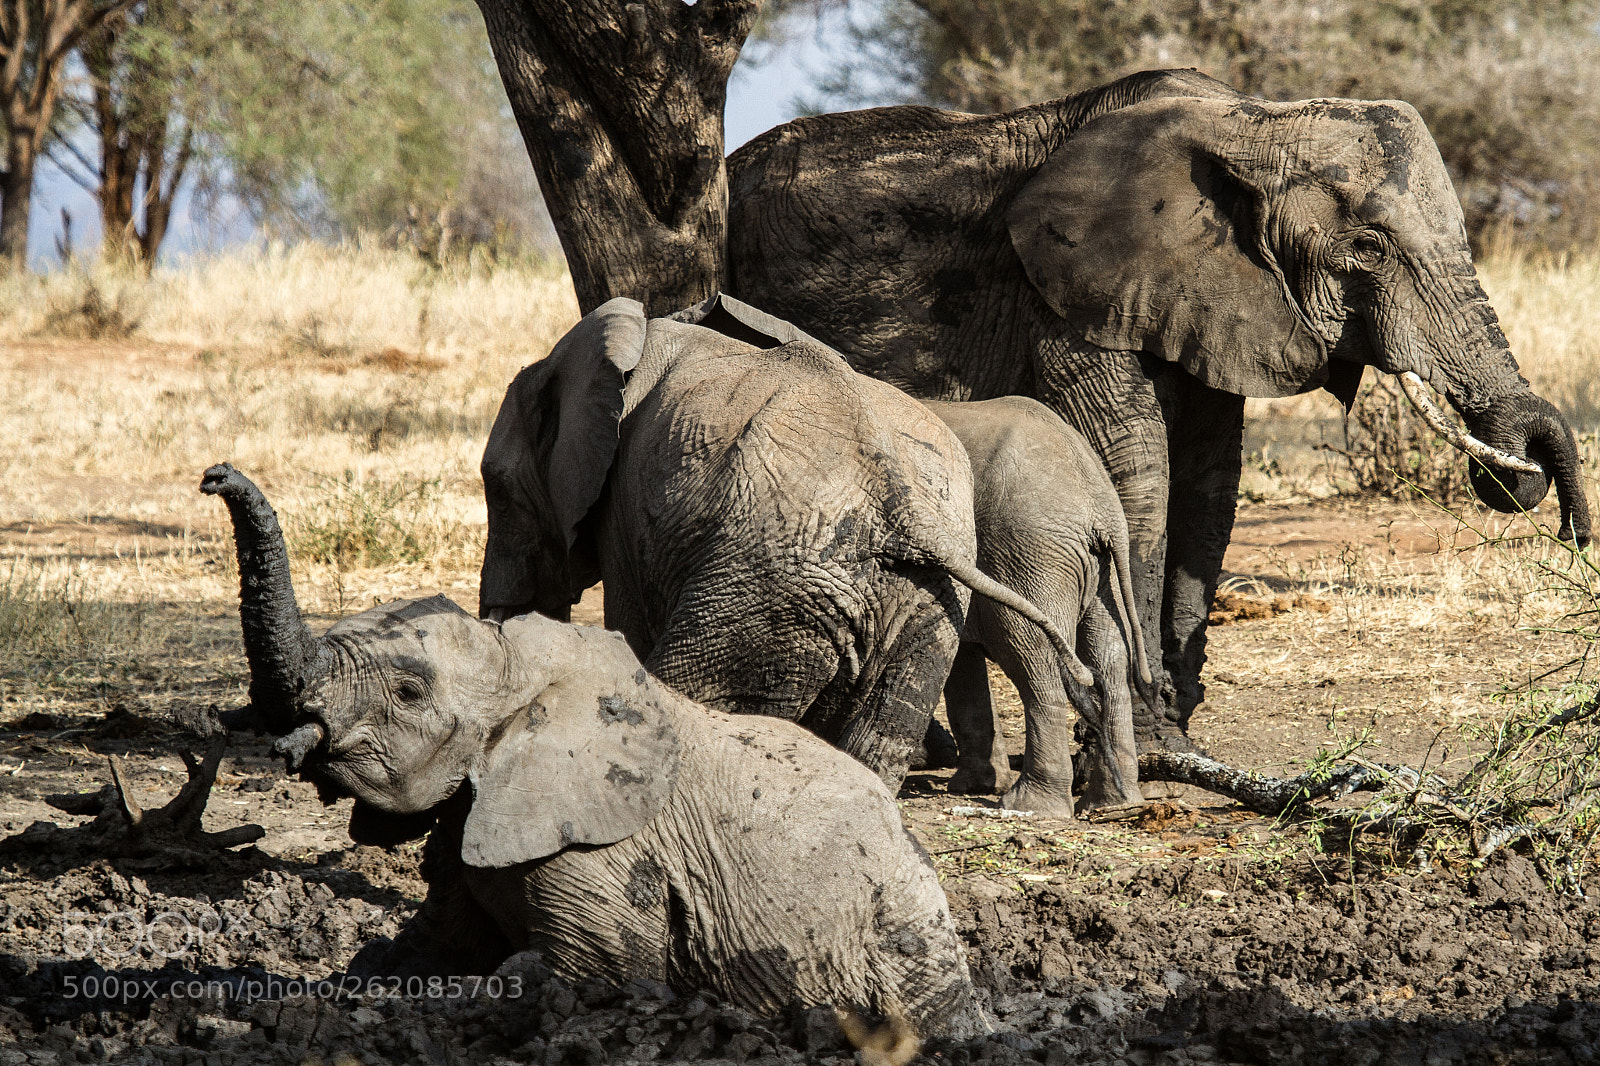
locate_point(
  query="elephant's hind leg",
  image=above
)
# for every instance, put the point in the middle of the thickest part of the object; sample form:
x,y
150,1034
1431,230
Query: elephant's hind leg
x,y
887,722
982,765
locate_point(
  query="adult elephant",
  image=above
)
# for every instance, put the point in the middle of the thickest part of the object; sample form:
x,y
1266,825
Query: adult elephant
x,y
1142,257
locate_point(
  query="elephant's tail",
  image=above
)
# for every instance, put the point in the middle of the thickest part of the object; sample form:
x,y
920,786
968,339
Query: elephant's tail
x,y
1127,606
984,585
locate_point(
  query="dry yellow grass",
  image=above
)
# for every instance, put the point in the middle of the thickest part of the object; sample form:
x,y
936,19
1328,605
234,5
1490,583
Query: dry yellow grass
x,y
1550,308
354,386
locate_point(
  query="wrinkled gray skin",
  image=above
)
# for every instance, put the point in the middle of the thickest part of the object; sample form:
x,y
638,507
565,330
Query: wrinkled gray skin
x,y
580,808
1050,526
1140,258
777,534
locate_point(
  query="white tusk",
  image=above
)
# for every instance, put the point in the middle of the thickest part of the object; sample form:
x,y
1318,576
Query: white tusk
x,y
1440,423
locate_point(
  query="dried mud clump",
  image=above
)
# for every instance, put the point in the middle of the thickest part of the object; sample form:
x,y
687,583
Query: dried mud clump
x,y
1236,607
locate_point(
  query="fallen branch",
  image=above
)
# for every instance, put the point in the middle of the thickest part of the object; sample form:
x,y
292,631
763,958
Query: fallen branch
x,y
129,829
1261,793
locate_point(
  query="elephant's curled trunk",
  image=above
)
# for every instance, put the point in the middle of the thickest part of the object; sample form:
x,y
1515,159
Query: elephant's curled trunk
x,y
1528,425
283,653
1516,448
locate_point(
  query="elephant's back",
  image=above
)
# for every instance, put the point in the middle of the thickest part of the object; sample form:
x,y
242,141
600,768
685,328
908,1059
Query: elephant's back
x,y
1018,433
790,443
879,241
802,844
884,233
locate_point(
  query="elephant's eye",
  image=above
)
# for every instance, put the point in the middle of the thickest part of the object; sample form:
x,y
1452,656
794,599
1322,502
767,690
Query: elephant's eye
x,y
408,691
1367,247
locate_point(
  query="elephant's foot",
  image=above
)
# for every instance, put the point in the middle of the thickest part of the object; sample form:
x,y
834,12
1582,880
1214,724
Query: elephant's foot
x,y
978,779
1043,802
938,749
1154,730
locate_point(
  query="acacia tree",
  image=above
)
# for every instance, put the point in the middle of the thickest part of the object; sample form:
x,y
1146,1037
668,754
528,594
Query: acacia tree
x,y
321,119
620,106
36,37
142,124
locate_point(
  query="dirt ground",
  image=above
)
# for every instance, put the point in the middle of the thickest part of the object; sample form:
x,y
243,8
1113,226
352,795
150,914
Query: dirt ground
x,y
1193,933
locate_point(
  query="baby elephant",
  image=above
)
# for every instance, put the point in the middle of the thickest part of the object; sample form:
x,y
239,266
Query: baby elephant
x,y
1050,525
580,808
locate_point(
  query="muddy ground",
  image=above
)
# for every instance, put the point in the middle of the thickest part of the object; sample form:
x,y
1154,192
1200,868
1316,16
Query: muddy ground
x,y
1195,933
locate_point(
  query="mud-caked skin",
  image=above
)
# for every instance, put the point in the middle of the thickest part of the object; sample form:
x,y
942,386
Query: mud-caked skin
x,y
758,862
1141,257
777,534
1050,525
580,807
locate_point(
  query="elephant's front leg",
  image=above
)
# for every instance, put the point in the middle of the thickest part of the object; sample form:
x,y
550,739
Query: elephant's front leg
x,y
1111,398
982,765
1207,432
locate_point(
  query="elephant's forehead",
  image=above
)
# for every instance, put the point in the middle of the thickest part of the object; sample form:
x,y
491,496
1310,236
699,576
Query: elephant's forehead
x,y
1382,161
403,619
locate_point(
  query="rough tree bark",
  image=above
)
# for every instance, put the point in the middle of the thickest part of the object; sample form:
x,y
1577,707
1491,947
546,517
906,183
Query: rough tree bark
x,y
35,39
620,106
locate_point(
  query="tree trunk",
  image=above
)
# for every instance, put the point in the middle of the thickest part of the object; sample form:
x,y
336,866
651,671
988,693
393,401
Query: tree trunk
x,y
35,41
620,106
119,168
16,201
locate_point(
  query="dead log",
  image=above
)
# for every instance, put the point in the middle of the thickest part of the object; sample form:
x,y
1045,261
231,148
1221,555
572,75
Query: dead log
x,y
125,827
1262,793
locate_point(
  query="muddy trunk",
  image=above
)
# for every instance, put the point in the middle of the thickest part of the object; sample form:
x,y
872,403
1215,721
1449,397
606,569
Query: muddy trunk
x,y
1528,426
1474,365
280,647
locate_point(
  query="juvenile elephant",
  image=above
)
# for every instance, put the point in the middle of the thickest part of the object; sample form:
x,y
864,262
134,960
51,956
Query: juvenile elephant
x,y
1050,526
1141,257
777,534
580,808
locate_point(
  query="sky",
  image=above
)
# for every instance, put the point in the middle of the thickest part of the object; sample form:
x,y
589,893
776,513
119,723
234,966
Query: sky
x,y
762,93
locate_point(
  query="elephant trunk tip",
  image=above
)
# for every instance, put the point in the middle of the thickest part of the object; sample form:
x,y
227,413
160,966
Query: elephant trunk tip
x,y
300,743
226,481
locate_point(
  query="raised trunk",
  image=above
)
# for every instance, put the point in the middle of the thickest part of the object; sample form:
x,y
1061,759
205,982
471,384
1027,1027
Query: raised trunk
x,y
284,655
620,107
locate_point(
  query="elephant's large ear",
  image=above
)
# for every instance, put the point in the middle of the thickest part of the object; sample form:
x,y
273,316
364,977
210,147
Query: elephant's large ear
x,y
552,444
737,319
1145,230
591,760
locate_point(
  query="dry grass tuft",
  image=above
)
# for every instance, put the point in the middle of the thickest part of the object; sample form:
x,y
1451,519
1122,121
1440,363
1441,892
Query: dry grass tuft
x,y
1549,306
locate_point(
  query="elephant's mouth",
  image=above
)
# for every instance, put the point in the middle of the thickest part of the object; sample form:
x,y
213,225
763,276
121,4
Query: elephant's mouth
x,y
298,746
